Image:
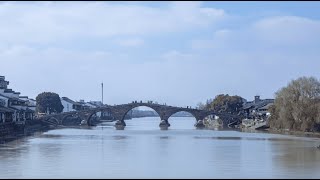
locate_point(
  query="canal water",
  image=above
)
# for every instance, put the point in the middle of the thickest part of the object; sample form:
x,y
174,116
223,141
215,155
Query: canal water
x,y
142,150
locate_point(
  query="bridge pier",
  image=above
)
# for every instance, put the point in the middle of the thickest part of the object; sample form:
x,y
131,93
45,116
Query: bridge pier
x,y
199,124
120,125
164,124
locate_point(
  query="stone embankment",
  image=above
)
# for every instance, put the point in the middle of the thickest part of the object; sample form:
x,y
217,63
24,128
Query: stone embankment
x,y
213,123
11,131
255,124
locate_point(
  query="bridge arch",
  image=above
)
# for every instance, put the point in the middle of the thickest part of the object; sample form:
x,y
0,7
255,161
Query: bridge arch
x,y
184,110
94,112
52,121
188,121
77,118
140,105
118,112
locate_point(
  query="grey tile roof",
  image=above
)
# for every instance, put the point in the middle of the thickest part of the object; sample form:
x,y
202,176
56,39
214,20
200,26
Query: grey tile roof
x,y
13,98
29,110
4,109
71,101
259,104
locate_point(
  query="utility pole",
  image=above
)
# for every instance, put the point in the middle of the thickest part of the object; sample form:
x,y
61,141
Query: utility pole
x,y
102,91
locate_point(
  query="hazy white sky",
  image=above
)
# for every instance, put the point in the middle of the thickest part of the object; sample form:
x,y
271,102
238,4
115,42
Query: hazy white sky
x,y
179,53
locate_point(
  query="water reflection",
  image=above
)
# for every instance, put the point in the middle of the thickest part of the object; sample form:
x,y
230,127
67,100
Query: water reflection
x,y
143,150
164,137
119,137
119,127
298,161
164,128
244,138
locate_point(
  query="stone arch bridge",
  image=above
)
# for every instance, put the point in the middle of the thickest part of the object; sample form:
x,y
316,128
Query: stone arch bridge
x,y
118,112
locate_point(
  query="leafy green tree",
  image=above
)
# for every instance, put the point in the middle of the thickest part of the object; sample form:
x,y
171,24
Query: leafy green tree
x,y
224,104
227,104
297,106
49,102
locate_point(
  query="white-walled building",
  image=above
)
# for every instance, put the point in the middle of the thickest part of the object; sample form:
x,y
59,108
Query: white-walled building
x,y
70,105
13,108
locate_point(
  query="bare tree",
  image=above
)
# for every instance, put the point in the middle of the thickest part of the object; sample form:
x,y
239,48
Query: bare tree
x,y
297,106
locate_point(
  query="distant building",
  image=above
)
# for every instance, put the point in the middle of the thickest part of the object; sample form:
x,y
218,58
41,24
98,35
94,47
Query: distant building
x,y
96,103
86,105
257,107
70,105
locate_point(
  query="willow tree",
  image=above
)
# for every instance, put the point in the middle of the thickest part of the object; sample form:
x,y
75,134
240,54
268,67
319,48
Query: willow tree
x,y
297,106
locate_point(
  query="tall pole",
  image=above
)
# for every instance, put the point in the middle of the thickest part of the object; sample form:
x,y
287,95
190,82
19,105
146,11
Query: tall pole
x,y
102,91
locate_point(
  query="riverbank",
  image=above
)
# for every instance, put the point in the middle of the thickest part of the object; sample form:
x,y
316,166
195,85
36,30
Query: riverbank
x,y
290,132
215,125
12,131
282,132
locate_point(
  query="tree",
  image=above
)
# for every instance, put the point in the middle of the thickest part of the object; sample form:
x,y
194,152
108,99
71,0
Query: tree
x,y
48,101
297,106
227,104
201,106
224,104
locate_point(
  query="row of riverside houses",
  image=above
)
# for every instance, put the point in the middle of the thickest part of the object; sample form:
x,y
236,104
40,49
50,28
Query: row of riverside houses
x,y
19,109
13,107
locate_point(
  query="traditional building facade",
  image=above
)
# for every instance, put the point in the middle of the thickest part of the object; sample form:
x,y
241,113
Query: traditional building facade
x,y
70,105
30,107
6,114
257,107
14,108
